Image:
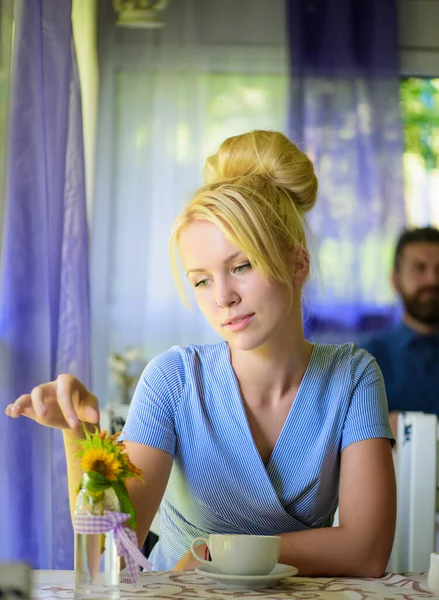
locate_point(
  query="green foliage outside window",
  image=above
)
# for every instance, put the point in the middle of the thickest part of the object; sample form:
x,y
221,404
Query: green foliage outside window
x,y
420,112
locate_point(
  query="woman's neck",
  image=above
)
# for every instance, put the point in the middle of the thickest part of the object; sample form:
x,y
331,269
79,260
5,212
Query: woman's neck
x,y
272,369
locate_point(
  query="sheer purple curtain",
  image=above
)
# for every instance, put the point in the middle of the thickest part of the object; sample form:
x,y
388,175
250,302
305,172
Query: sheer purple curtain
x,y
344,112
44,294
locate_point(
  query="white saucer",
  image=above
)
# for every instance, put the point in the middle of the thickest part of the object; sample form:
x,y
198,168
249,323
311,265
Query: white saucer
x,y
252,582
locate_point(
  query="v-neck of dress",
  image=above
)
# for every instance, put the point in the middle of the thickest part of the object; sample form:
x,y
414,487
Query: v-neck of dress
x,y
243,415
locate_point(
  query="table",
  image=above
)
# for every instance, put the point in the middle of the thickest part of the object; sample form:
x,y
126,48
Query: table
x,y
188,585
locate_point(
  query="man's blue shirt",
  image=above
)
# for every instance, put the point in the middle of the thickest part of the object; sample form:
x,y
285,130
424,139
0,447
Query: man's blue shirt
x,y
410,365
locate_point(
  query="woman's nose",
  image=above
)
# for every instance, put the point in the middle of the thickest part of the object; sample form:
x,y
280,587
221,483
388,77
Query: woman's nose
x,y
226,296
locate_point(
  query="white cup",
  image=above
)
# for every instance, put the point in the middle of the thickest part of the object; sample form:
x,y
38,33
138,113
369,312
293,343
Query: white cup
x,y
240,554
433,574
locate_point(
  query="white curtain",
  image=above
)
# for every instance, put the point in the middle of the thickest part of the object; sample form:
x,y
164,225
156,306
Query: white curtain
x,y
167,99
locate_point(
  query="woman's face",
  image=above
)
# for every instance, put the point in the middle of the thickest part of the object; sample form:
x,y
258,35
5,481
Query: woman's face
x,y
241,305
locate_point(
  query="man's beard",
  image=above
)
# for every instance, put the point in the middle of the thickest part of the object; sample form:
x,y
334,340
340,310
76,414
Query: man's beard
x,y
425,311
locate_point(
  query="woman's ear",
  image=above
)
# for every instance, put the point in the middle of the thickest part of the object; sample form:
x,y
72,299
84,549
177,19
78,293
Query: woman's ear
x,y
300,265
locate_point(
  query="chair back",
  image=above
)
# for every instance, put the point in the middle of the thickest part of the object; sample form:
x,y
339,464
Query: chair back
x,y
416,468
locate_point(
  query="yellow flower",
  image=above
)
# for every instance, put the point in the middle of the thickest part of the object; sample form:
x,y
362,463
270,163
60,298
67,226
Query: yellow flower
x,y
101,461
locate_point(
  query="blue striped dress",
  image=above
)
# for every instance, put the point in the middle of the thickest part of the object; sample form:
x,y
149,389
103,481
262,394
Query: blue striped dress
x,y
188,403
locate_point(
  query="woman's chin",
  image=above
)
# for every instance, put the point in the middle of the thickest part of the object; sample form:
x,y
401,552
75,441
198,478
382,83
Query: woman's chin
x,y
246,343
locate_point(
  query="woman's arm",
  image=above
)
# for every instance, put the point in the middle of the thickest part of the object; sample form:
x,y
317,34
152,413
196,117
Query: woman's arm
x,y
146,497
67,404
74,471
361,545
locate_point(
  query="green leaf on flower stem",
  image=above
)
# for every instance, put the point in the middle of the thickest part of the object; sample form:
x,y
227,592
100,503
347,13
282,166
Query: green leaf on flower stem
x,y
96,442
126,506
95,482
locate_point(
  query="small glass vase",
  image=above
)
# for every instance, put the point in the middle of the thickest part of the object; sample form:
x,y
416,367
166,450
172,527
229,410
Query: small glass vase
x,y
97,564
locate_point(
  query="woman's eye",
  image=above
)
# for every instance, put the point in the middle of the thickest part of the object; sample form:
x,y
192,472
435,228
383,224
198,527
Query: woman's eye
x,y
242,268
201,283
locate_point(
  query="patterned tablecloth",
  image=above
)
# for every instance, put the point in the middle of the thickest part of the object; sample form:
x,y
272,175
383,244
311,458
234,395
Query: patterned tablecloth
x,y
188,585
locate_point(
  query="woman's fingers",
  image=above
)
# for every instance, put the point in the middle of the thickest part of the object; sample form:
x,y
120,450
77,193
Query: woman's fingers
x,y
76,402
89,409
62,403
21,407
37,396
68,398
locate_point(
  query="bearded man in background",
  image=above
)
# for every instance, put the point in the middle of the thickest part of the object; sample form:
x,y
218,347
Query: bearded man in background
x,y
408,354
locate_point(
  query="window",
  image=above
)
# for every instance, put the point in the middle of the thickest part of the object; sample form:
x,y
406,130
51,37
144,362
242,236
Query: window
x,y
240,102
420,111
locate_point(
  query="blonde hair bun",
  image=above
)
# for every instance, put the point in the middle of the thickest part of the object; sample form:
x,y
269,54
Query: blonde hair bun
x,y
270,156
258,187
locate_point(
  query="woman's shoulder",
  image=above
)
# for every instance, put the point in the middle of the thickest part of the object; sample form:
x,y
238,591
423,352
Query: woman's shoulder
x,y
167,375
343,371
346,357
341,352
180,362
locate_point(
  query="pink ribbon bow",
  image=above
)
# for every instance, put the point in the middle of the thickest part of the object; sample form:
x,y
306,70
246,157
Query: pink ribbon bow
x,y
124,537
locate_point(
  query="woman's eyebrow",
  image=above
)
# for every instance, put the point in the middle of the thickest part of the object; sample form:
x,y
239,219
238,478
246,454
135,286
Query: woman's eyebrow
x,y
225,261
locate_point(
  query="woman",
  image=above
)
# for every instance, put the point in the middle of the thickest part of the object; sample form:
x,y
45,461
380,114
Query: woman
x,y
265,432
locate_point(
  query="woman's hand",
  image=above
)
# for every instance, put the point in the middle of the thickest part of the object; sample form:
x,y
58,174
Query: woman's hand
x,y
63,404
188,562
